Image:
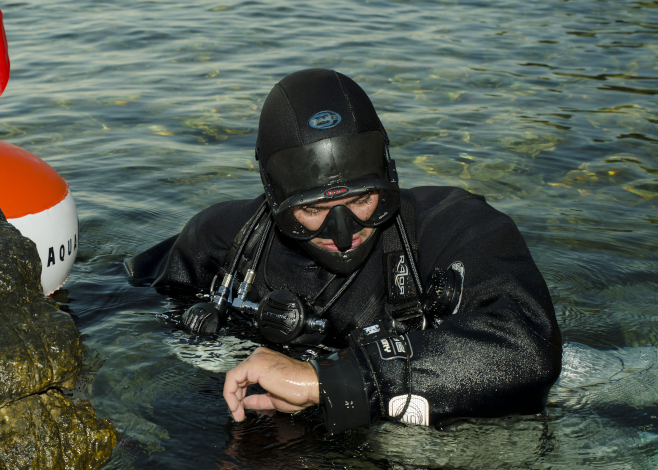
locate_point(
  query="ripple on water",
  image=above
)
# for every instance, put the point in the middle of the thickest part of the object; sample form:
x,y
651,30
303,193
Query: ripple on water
x,y
150,110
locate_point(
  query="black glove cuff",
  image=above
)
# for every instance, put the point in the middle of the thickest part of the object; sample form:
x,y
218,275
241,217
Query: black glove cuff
x,y
342,391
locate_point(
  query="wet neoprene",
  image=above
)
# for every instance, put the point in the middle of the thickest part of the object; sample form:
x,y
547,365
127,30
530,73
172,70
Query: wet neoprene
x,y
497,355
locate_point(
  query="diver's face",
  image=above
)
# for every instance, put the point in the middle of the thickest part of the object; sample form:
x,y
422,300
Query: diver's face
x,y
312,217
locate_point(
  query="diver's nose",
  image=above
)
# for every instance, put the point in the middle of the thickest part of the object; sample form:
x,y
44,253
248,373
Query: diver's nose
x,y
341,227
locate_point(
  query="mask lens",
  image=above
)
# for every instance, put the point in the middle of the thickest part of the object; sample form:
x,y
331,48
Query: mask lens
x,y
312,216
306,221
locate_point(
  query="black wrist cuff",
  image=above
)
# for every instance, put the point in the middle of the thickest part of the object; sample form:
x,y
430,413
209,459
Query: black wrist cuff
x,y
342,391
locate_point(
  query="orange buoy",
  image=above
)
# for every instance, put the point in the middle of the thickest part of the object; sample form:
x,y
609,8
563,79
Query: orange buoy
x,y
37,201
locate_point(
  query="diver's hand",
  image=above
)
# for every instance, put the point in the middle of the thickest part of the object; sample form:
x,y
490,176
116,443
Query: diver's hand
x,y
292,384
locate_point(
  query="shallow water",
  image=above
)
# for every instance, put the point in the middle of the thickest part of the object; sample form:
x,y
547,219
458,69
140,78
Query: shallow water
x,y
149,109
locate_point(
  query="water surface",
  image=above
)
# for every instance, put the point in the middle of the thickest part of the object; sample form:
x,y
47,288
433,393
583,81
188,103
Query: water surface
x,y
149,109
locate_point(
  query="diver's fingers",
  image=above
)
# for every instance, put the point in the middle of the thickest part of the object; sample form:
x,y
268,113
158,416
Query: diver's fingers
x,y
258,402
293,383
241,392
235,389
269,402
248,372
235,406
285,406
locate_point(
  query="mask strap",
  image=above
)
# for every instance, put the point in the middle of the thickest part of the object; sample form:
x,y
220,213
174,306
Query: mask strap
x,y
391,171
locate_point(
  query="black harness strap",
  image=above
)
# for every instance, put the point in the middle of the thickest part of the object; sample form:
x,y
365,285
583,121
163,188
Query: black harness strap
x,y
402,292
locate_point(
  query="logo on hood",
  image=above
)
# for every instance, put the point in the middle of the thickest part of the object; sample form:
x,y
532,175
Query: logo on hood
x,y
324,120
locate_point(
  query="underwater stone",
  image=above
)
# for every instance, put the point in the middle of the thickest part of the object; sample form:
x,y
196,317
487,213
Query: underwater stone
x,y
40,355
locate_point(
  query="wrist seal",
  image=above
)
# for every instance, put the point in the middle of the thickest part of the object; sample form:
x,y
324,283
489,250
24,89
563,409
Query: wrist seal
x,y
342,391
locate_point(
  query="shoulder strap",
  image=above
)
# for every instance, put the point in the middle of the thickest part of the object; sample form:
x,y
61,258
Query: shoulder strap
x,y
403,299
391,237
444,205
402,293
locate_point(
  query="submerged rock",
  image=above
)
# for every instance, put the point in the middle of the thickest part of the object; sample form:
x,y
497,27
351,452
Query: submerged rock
x,y
40,356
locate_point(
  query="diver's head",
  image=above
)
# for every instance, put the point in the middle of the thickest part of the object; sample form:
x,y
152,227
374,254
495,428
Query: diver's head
x,y
322,155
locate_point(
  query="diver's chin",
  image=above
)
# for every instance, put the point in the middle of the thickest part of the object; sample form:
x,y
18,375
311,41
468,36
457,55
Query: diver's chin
x,y
339,262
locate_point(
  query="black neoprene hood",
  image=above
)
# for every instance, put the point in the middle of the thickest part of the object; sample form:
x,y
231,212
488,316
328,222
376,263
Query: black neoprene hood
x,y
318,128
284,119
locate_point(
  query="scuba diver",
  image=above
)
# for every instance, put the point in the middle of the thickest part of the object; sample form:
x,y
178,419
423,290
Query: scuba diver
x,y
427,301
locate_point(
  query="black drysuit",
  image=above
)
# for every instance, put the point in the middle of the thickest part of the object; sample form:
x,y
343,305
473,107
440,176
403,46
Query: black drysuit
x,y
498,355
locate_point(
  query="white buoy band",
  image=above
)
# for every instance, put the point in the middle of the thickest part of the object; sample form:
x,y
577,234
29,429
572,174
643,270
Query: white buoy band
x,y
55,232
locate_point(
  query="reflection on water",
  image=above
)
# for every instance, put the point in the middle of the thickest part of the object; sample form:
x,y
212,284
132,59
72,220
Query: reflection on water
x,y
150,109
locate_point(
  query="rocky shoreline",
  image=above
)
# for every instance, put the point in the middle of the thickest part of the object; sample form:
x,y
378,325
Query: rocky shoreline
x,y
40,358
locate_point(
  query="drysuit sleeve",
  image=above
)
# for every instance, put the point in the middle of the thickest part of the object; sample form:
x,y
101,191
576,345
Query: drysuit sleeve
x,y
498,355
191,259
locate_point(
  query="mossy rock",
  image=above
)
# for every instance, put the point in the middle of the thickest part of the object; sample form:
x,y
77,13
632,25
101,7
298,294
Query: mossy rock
x,y
40,356
20,268
39,344
47,430
39,349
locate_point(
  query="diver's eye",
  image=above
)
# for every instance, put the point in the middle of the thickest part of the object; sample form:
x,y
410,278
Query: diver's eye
x,y
363,199
310,210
